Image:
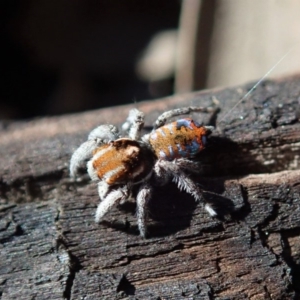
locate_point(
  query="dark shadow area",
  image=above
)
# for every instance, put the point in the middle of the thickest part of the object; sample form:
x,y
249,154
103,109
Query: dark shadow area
x,y
126,287
224,157
25,87
60,57
171,210
291,259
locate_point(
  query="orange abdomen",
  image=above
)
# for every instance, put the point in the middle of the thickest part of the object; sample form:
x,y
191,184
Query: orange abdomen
x,y
182,138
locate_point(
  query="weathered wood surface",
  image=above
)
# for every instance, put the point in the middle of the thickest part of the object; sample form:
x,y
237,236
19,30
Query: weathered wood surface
x,y
50,247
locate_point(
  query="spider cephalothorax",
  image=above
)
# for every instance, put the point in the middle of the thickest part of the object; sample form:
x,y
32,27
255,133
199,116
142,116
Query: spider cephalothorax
x,y
119,163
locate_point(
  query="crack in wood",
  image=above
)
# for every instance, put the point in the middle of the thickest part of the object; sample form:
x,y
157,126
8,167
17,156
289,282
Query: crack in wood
x,y
288,257
31,188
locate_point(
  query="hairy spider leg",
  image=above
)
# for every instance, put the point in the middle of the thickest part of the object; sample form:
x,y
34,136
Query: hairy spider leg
x,y
142,199
164,117
170,168
134,124
109,201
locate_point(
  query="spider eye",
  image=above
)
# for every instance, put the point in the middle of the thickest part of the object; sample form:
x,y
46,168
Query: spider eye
x,y
204,140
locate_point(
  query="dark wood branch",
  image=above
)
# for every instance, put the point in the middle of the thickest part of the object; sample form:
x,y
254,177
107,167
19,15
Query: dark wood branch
x,y
52,249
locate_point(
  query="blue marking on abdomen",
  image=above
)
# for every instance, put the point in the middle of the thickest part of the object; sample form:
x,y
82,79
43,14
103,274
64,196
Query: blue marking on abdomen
x,y
184,123
193,148
162,154
182,153
171,152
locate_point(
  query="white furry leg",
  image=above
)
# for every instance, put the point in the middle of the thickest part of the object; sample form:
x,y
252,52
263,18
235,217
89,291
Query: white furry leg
x,y
109,201
189,165
183,182
161,175
81,155
164,117
142,198
105,133
103,189
165,170
97,137
210,210
134,123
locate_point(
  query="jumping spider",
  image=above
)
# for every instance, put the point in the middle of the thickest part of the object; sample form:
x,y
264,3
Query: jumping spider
x,y
119,163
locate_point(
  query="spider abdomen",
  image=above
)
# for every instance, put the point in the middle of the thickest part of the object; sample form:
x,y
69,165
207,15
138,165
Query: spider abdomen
x,y
182,138
119,161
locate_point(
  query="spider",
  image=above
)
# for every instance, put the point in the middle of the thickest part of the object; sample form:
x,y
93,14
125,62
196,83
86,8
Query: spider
x,y
120,163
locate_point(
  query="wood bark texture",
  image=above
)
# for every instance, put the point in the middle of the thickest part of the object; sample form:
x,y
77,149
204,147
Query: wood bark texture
x,y
50,247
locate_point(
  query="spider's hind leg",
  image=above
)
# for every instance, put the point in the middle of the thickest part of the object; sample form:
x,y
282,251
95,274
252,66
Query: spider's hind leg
x,y
183,181
164,117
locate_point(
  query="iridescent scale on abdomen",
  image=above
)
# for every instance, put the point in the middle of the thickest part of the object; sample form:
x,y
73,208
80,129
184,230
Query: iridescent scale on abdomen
x,y
182,138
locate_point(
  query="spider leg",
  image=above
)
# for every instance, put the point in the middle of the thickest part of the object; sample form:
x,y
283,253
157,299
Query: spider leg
x,y
142,199
170,168
97,137
189,165
103,189
83,153
109,201
134,124
105,133
164,117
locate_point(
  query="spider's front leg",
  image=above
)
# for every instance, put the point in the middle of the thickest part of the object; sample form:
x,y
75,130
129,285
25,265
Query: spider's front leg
x,y
134,124
97,137
112,198
106,133
103,189
166,169
81,155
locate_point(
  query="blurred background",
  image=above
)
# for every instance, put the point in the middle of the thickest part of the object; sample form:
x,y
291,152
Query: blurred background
x,y
65,56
